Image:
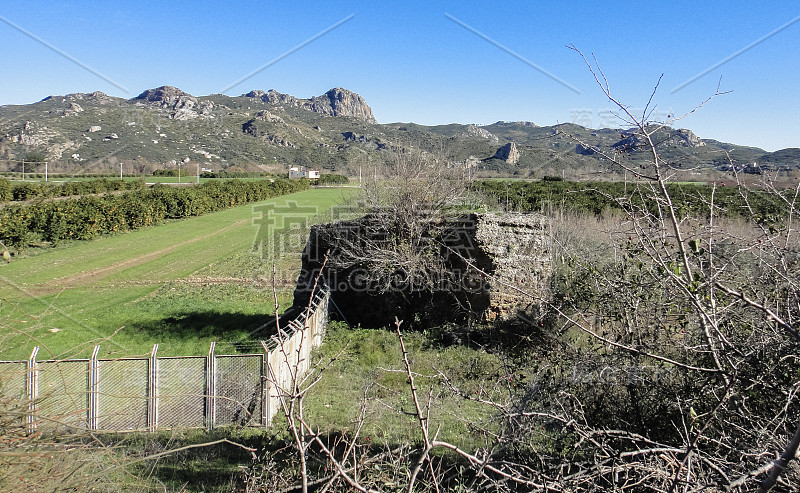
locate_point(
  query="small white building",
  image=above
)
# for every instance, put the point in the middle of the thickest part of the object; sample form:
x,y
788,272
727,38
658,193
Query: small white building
x,y
303,172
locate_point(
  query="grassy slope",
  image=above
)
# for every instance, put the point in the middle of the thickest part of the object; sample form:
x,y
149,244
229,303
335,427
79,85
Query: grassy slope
x,y
182,285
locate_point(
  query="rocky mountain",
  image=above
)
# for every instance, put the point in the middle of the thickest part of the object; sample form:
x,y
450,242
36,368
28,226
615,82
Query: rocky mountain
x,y
336,102
269,130
183,105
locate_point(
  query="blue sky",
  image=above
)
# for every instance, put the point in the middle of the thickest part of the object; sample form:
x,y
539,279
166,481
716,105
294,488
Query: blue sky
x,y
412,62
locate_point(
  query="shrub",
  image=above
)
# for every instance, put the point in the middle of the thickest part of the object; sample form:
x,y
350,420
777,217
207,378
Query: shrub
x,y
332,179
5,190
87,217
26,191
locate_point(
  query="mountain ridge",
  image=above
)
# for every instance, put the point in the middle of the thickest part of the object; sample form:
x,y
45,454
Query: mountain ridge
x,y
166,126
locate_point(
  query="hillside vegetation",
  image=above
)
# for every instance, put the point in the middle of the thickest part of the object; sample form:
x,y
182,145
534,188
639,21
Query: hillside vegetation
x,y
269,131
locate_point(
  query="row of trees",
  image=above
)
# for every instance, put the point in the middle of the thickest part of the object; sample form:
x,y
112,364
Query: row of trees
x,y
87,217
602,197
13,191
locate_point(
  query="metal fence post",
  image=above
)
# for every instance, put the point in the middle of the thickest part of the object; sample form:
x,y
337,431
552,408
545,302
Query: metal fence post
x,y
211,387
32,389
94,394
152,390
265,387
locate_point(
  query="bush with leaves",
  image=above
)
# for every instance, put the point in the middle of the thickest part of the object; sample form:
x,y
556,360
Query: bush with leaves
x,y
332,179
87,217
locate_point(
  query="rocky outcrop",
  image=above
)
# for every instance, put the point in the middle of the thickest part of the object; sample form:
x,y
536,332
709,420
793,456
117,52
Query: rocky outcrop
x,y
473,131
73,109
258,126
33,134
369,141
168,97
266,116
279,141
36,135
508,153
666,137
274,97
100,97
336,102
686,138
184,106
341,102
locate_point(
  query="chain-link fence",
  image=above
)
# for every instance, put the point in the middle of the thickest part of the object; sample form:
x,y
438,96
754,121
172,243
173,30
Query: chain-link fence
x,y
153,392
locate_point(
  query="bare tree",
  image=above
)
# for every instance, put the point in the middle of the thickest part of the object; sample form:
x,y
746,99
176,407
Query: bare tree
x,y
702,310
406,203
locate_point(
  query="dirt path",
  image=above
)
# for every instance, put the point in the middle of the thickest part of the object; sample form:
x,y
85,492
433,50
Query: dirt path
x,y
86,277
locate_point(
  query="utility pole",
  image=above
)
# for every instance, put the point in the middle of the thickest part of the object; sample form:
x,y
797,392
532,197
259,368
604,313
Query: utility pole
x,y
45,171
23,170
198,172
120,171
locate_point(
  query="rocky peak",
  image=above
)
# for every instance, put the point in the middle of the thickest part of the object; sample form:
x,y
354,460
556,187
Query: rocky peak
x,y
168,97
100,97
336,102
184,105
686,138
341,102
274,97
508,153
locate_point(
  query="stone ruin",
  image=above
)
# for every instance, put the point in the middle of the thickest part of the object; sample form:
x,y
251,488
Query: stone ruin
x,y
498,266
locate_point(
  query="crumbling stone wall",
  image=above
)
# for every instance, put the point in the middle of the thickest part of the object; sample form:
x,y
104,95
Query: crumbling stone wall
x,y
498,264
519,248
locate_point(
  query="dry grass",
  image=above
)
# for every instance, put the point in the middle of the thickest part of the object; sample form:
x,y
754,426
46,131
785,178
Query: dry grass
x,y
32,462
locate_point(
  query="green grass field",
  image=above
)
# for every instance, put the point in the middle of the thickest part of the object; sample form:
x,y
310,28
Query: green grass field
x,y
187,283
182,285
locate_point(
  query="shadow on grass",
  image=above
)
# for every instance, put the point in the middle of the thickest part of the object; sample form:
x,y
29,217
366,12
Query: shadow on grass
x,y
208,325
